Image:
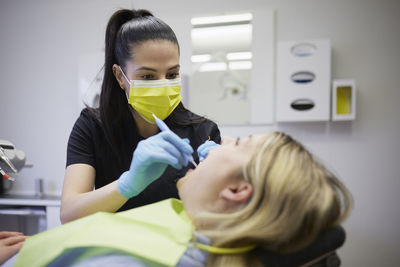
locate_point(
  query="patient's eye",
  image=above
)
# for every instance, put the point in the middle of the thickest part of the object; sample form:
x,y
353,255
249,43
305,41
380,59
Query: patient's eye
x,y
237,141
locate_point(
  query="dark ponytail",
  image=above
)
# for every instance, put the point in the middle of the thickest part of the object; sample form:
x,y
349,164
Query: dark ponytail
x,y
125,30
111,93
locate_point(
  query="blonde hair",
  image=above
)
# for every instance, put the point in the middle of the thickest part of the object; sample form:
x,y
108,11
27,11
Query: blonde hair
x,y
295,198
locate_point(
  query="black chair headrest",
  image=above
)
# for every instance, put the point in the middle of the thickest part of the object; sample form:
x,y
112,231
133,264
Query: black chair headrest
x,y
328,241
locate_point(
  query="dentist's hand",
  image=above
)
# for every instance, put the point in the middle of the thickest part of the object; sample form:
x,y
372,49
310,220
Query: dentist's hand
x,y
150,159
204,148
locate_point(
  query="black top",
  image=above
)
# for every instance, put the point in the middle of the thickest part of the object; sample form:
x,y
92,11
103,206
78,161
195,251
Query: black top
x,y
87,144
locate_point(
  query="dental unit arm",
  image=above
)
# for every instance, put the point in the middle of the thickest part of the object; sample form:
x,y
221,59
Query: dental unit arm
x,y
12,160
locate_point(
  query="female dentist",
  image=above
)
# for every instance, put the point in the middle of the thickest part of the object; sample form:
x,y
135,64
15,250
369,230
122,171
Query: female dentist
x,y
141,78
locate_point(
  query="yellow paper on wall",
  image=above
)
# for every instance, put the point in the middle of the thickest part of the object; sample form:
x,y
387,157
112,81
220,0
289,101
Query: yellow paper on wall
x,y
343,100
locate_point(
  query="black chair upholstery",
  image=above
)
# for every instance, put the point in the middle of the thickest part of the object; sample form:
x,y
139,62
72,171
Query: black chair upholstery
x,y
321,253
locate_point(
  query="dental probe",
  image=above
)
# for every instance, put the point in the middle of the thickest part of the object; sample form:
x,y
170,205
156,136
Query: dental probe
x,y
163,127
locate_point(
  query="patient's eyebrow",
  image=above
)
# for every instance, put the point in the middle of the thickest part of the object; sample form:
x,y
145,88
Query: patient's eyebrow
x,y
238,140
249,138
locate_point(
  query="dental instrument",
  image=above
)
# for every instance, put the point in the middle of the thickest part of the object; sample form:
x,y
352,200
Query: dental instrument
x,y
163,127
7,160
5,175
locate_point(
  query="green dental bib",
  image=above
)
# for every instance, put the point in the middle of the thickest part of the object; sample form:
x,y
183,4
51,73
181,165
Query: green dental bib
x,y
158,232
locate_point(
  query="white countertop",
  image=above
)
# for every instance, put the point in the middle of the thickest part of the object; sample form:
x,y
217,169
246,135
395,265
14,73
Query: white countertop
x,y
29,200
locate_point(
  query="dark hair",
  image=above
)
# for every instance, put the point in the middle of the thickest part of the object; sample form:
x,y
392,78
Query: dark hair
x,y
126,29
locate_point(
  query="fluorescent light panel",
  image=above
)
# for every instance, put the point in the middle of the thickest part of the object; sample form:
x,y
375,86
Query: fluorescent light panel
x,y
240,65
201,58
222,19
239,56
213,66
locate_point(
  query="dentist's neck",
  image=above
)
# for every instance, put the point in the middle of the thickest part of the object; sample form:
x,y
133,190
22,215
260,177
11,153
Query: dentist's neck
x,y
145,128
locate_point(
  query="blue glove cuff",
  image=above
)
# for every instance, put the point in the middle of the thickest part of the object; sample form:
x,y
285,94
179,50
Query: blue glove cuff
x,y
124,188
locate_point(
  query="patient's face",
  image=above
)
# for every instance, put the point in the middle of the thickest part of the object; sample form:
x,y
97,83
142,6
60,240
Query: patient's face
x,y
200,188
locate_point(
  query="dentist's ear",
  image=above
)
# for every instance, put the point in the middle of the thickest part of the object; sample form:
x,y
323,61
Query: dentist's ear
x,y
119,76
238,192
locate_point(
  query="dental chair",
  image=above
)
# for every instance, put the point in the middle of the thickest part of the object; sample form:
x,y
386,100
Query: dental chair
x,y
321,253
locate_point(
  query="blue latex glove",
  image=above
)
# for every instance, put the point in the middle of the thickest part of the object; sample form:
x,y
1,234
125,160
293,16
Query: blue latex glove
x,y
204,148
150,159
163,127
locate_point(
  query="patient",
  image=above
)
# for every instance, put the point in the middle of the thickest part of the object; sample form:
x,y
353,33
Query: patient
x,y
261,191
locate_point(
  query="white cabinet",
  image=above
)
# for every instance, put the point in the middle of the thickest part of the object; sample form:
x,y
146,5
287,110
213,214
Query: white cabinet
x,y
29,214
303,80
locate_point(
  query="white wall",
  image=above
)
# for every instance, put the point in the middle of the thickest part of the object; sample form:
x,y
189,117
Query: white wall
x,y
41,42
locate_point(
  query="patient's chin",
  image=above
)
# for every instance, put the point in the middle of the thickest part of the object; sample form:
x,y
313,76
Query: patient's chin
x,y
183,179
180,182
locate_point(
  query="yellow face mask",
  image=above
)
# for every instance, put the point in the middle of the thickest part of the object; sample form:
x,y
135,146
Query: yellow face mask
x,y
158,97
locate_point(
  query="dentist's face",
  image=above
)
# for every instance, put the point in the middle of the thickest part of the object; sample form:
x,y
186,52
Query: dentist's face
x,y
153,60
200,189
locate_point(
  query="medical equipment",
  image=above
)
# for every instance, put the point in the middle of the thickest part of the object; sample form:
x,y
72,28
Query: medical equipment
x,y
163,127
11,162
7,160
5,175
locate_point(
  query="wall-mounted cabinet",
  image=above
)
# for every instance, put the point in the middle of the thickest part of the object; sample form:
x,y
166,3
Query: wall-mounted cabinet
x,y
303,80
